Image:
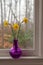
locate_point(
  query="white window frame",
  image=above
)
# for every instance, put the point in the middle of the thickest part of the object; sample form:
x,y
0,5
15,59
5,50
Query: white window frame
x,y
36,51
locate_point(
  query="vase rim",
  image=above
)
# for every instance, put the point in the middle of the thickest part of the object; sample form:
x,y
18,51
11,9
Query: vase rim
x,y
16,39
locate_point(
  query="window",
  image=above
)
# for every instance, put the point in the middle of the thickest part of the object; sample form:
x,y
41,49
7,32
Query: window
x,y
22,8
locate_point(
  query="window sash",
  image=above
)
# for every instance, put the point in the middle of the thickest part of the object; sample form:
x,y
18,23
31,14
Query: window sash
x,y
35,50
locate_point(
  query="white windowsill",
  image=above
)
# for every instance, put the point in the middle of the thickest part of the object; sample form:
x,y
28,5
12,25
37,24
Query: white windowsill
x,y
22,58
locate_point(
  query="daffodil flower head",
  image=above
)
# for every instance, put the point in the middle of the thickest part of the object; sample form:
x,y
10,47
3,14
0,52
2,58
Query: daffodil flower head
x,y
25,20
15,26
6,23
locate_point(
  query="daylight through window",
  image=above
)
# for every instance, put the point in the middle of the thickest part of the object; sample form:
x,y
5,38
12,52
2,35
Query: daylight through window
x,y
14,11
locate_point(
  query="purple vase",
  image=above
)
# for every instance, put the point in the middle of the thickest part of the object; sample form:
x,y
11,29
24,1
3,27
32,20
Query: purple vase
x,y
15,51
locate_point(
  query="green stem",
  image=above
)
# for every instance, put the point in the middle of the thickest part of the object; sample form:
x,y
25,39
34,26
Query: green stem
x,y
12,29
18,31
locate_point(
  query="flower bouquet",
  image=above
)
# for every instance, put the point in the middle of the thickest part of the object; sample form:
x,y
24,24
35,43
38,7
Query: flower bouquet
x,y
19,34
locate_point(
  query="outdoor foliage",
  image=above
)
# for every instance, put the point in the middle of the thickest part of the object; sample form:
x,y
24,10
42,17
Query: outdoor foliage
x,y
13,11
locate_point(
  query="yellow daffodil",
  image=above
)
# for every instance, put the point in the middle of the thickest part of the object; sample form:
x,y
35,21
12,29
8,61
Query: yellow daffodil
x,y
6,23
15,26
25,20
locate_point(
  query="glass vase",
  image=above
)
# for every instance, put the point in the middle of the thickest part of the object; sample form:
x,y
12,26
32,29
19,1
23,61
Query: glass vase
x,y
15,51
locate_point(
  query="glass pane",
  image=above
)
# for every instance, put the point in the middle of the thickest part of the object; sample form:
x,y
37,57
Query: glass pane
x,y
17,11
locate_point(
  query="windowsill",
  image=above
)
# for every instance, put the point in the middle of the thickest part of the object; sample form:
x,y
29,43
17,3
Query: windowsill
x,y
33,57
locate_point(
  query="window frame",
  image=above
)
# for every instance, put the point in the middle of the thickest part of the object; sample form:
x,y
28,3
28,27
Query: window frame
x,y
41,29
36,51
